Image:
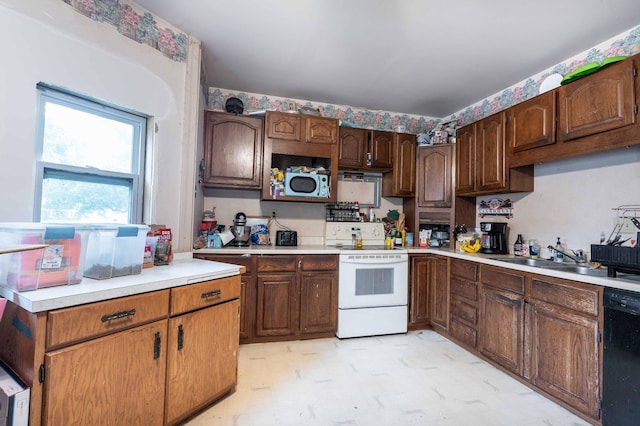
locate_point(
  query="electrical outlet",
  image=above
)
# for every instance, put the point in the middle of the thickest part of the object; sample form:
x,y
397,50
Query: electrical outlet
x,y
273,214
627,226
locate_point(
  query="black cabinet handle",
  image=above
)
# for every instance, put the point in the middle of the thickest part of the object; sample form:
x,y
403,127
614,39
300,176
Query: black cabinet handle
x,y
156,346
211,294
118,315
180,337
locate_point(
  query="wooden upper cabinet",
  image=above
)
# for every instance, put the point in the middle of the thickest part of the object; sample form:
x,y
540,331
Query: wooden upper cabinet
x,y
282,125
233,146
434,176
598,103
322,130
532,123
380,149
401,181
490,153
466,159
352,147
297,127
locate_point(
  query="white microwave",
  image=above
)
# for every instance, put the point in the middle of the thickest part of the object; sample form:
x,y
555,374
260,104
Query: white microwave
x,y
306,185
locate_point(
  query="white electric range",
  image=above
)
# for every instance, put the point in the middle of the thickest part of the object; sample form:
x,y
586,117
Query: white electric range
x,y
373,281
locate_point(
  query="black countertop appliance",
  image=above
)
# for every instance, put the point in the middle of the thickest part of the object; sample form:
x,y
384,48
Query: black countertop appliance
x,y
494,238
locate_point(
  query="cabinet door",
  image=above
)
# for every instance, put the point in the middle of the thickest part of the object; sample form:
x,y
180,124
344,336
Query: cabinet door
x,y
532,123
381,149
597,103
319,302
117,379
233,151
502,329
439,299
565,356
466,159
277,305
434,176
352,147
285,126
404,165
322,130
490,153
419,314
203,358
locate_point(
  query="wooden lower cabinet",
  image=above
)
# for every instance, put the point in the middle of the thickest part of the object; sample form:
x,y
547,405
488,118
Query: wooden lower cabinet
x,y
502,309
277,305
115,379
545,330
203,358
148,359
429,292
463,302
564,323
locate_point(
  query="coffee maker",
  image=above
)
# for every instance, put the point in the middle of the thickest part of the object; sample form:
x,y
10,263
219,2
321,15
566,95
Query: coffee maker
x,y
494,238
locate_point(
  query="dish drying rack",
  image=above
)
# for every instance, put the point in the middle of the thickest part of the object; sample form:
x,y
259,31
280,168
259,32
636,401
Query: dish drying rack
x,y
615,257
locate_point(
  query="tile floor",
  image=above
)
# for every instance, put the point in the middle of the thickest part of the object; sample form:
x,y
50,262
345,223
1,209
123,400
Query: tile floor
x,y
419,378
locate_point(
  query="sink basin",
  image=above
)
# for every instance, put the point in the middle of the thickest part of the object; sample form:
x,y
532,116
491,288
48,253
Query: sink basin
x,y
548,264
527,261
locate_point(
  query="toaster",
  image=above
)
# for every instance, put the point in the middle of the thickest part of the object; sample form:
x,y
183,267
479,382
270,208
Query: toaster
x,y
286,238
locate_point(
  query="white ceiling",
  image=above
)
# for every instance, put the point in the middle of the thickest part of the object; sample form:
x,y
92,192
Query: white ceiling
x,y
424,57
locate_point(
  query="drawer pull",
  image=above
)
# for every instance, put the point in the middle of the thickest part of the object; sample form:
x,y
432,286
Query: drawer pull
x,y
118,315
156,346
180,337
211,294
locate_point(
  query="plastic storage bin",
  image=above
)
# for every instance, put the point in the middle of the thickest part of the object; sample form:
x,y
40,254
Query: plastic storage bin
x,y
101,244
60,263
128,255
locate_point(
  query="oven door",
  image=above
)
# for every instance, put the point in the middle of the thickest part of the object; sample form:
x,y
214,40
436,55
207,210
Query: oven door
x,y
373,280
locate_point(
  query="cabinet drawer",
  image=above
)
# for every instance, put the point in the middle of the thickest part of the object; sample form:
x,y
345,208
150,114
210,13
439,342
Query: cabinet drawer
x,y
576,296
242,260
503,279
464,269
463,310
463,333
464,288
319,262
199,295
276,263
78,323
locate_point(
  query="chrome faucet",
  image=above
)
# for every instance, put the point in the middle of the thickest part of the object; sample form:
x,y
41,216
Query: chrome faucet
x,y
578,256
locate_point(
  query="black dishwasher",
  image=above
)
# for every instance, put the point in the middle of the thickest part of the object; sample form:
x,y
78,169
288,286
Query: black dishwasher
x,y
621,358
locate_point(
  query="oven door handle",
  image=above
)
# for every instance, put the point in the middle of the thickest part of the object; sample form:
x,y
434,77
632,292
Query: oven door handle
x,y
373,262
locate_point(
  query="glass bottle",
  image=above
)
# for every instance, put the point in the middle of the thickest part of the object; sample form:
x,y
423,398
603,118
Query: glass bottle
x,y
398,238
517,247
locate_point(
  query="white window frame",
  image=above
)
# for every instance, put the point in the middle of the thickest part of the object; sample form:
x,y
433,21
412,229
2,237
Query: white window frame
x,y
134,180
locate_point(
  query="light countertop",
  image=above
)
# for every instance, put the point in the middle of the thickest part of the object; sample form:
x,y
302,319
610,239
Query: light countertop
x,y
183,270
624,281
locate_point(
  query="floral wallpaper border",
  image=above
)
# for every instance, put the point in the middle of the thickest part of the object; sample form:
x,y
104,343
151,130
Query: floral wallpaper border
x,y
142,27
349,116
625,44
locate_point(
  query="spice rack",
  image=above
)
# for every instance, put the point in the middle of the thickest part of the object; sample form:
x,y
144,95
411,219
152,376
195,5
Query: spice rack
x,y
343,212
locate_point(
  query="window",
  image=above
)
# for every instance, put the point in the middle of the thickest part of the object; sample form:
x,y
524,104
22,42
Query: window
x,y
90,161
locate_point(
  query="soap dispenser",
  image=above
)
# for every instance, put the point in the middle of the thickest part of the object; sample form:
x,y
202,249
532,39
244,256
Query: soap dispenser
x,y
559,257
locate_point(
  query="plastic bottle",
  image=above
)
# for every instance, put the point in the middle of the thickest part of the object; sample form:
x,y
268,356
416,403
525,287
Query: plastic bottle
x,y
559,257
517,247
372,214
358,238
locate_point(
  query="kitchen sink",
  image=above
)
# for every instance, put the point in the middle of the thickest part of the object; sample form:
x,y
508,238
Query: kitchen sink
x,y
527,261
548,264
